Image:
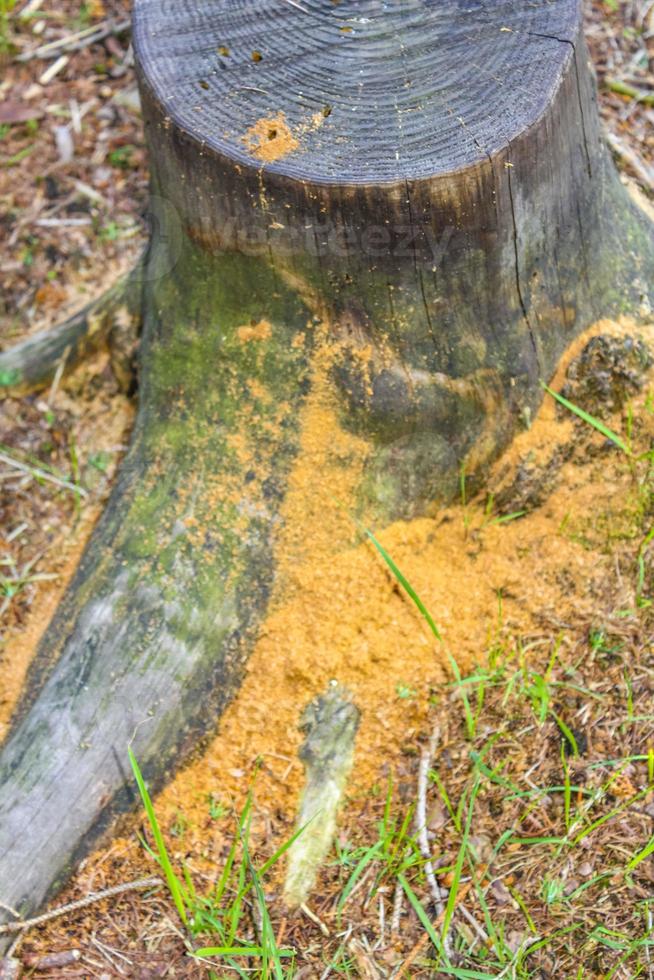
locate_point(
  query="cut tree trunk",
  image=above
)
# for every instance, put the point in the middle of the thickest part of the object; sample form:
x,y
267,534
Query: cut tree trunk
x,y
411,202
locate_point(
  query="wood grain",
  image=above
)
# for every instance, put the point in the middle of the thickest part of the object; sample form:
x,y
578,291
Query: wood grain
x,y
413,88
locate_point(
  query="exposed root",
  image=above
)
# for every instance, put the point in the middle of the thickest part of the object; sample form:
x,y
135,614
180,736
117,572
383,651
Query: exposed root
x,y
331,723
113,320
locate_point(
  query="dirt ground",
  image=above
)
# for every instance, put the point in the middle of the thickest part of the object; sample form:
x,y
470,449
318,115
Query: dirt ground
x,y
543,611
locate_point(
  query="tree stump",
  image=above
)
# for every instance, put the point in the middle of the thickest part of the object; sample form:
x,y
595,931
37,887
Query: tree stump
x,y
407,205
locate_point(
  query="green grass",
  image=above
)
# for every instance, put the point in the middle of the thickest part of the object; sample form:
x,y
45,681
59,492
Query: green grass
x,y
643,478
542,847
6,11
586,814
393,853
222,915
589,419
520,771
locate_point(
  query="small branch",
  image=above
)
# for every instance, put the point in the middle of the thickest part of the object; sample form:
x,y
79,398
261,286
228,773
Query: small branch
x,y
421,830
76,41
644,173
81,903
40,474
398,898
421,819
314,918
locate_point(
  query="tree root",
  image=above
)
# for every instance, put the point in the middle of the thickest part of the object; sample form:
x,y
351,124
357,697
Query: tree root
x,y
113,320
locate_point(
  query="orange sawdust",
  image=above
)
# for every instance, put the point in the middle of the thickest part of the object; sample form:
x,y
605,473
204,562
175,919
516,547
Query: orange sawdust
x,y
21,643
316,513
553,428
254,331
270,138
337,613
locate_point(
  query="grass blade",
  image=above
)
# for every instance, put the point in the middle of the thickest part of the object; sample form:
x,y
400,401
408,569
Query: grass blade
x,y
406,585
269,943
428,926
590,420
641,855
172,880
458,864
567,733
370,853
228,951
506,518
283,848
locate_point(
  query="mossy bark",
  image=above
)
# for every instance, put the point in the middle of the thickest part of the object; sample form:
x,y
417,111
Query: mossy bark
x,y
150,639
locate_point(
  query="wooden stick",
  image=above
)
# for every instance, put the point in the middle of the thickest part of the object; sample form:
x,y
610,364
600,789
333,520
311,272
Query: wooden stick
x,y
630,157
77,41
37,472
421,830
81,903
421,819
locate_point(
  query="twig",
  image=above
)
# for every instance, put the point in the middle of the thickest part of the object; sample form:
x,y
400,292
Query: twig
x,y
629,156
408,962
421,830
314,918
54,387
53,69
106,956
481,933
397,909
421,819
35,471
77,41
81,903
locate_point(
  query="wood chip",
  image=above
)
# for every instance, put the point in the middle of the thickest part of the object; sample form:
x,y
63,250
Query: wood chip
x,y
54,69
12,111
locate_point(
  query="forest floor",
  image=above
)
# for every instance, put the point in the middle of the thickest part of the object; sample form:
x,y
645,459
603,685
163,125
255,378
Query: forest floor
x,y
535,766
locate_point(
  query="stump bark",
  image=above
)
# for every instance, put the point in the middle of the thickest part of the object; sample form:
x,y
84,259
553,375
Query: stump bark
x,y
415,197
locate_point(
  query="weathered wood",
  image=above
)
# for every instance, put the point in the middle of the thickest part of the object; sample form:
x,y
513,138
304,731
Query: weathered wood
x,y
456,209
418,191
34,362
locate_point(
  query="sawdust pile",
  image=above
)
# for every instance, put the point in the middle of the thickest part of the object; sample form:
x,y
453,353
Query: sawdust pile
x,y
270,138
339,615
